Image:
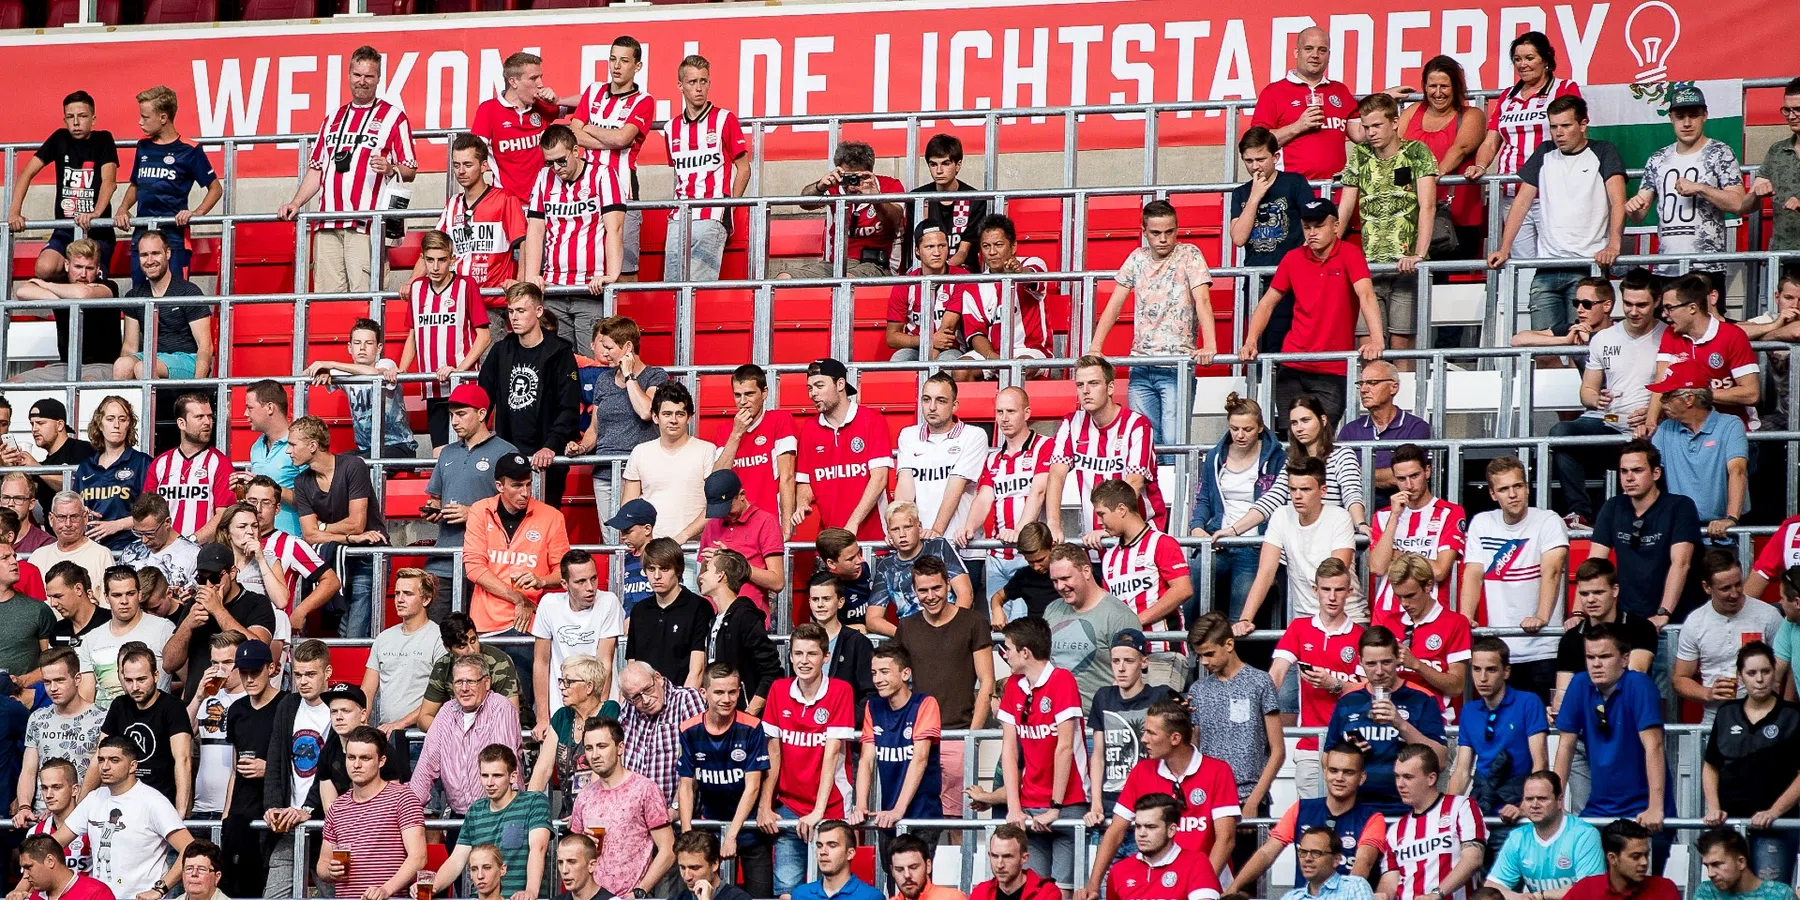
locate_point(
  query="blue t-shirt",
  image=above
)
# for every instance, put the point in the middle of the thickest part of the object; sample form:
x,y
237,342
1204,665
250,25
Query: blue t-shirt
x,y
1277,228
1528,863
1615,752
1352,714
165,173
893,732
108,490
854,889
589,376
719,763
636,586
856,595
894,577
1519,716
1694,461
273,460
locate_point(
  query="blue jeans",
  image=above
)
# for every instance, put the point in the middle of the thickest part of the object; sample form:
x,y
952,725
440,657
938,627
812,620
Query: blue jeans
x,y
1152,394
359,588
1553,299
1772,854
790,855
1234,571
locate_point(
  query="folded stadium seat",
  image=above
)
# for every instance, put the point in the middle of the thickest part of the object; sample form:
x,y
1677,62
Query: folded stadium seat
x,y
161,12
736,264
203,256
263,10
651,237
67,12
1036,218
264,254
25,254
349,662
12,14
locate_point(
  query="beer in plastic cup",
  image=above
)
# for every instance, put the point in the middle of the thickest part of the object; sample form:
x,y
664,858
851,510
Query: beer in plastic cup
x,y
342,858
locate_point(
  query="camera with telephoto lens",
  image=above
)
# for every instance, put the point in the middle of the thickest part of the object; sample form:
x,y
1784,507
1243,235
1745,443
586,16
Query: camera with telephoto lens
x,y
341,161
850,179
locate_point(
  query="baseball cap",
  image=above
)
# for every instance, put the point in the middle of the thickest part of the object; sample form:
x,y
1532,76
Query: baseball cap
x,y
924,228
348,692
632,514
1687,95
514,466
1681,376
1133,638
1792,576
253,655
214,558
722,487
831,368
49,409
1317,209
470,394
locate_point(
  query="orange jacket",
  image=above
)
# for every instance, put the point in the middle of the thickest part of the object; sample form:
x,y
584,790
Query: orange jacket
x,y
537,547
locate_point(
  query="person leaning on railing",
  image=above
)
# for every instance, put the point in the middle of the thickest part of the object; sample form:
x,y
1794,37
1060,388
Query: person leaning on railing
x,y
1752,762
1452,129
81,277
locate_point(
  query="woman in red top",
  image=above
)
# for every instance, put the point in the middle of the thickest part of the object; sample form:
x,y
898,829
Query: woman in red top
x,y
1445,122
1520,121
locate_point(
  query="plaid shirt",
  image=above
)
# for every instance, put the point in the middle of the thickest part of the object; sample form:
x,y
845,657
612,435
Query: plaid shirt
x,y
653,743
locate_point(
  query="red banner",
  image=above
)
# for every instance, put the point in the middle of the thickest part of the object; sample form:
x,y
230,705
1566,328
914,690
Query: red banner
x,y
916,55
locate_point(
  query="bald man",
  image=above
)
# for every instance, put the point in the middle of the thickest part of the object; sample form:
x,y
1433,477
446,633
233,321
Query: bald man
x,y
1012,487
1310,114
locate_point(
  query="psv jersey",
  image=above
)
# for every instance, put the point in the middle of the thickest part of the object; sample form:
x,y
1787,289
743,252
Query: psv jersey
x,y
195,486
574,214
1427,532
1035,711
837,462
364,133
1206,787
1423,848
803,724
771,436
1180,874
1095,452
720,763
1781,552
512,138
602,108
1335,650
1441,639
702,153
1138,571
1010,474
443,325
483,236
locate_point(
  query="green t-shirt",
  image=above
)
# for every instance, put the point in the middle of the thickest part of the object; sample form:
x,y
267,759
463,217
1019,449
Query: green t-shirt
x,y
1388,197
509,829
1768,890
24,621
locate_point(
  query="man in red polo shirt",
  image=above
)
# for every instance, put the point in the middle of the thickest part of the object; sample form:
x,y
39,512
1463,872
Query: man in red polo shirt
x,y
760,444
1040,717
1711,348
1330,282
1162,869
1434,639
734,523
1324,646
845,455
512,121
1309,113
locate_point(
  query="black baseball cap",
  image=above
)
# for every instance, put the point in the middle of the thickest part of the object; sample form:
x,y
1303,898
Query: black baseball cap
x,y
1133,638
48,408
632,514
1318,209
253,655
831,368
214,558
348,692
722,487
514,466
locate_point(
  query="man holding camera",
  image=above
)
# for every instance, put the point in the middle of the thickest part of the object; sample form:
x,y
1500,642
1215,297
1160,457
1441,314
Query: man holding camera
x,y
361,160
873,231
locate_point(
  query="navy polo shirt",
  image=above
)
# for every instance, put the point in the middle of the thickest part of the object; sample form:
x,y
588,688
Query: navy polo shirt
x,y
1641,544
1615,751
1519,716
1352,714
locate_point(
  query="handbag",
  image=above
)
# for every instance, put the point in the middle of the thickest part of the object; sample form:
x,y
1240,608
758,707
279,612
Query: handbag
x,y
1443,231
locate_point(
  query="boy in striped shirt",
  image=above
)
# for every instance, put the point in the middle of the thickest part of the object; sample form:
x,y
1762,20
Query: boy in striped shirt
x,y
710,159
195,477
1435,849
574,233
449,333
611,120
1098,441
1415,522
1146,570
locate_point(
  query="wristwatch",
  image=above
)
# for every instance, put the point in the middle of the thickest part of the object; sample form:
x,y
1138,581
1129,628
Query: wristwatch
x,y
639,893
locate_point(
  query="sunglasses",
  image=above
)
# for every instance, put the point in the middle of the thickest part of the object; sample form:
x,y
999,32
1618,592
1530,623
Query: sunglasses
x,y
1586,304
1637,534
208,578
1600,719
558,161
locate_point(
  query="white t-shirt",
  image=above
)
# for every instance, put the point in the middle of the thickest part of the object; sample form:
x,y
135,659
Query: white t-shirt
x,y
312,723
1630,366
178,561
1304,547
674,483
934,459
402,664
572,633
217,757
1238,490
128,835
1511,557
1690,224
99,652
1713,640
1572,205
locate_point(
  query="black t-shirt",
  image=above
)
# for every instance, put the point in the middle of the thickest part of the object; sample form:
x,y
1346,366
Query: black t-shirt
x,y
71,453
957,213
350,481
250,609
1571,651
1757,760
102,335
66,635
78,164
1117,723
1033,587
173,334
668,636
1275,232
150,729
1640,546
249,728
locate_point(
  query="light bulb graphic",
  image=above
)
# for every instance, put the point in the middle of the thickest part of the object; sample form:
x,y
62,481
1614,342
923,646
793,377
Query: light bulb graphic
x,y
1651,32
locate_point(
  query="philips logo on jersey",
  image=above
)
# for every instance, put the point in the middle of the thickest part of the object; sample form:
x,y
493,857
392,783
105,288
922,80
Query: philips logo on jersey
x,y
576,209
719,777
1009,485
435,318
750,462
1132,584
519,145
512,558
1101,465
1036,732
157,172
902,754
178,492
690,160
851,470
803,738
935,473
1430,845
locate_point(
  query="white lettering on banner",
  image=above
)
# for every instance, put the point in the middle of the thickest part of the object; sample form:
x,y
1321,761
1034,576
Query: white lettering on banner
x,y
1362,25
1475,22
246,112
1430,845
768,50
1125,70
805,82
1282,32
455,63
960,44
1078,37
1400,59
1183,34
1016,74
1234,56
1581,46
288,100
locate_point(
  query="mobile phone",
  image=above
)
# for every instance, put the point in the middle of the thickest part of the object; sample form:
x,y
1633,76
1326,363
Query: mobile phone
x,y
1307,667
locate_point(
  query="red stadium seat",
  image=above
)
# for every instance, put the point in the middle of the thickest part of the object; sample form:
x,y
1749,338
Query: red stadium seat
x,y
65,12
160,12
262,10
12,14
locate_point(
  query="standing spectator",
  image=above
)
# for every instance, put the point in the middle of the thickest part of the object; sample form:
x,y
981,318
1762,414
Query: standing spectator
x,y
517,822
1655,535
1163,866
582,702
1383,421
1392,182
612,118
51,433
184,338
1517,559
1435,640
350,709
1692,183
1040,712
809,722
957,218
1265,218
1010,494
485,225
1630,849
1252,745
533,372
907,330
462,476
1615,714
1315,852
512,122
1171,316
80,278
402,656
710,161
724,759
360,162
760,445
1778,178
20,498
338,506
1554,853
1331,285
1246,463
893,575
579,619
164,169
129,826
621,400
221,690
940,462
249,727
1750,766
734,524
1517,125
1706,653
194,476
1301,535
1324,647
1146,570
670,471
575,855
1491,762
1086,621
655,709
1029,591
67,728
574,232
836,849
901,731
1699,347
102,647
1308,112
1009,854
296,747
1597,603
1415,522
659,621
1452,129
1115,723
638,845
454,744
1621,364
1578,186
85,162
1705,453
158,728
26,624
1382,716
741,639
266,409
852,653
382,401
841,558
378,823
1100,440
872,243
1360,831
1418,855
951,649
987,305
513,546
1726,856
114,476
844,455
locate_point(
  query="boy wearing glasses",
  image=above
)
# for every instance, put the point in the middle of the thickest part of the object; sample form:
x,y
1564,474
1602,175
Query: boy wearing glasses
x,y
1504,737
1778,178
574,232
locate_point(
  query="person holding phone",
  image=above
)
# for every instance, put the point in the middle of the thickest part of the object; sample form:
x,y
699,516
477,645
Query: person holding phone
x,y
1392,183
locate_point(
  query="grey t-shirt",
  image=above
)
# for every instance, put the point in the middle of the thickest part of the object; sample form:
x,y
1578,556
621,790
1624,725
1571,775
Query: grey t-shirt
x,y
24,621
1228,721
620,426
1082,642
1711,640
403,663
69,737
463,475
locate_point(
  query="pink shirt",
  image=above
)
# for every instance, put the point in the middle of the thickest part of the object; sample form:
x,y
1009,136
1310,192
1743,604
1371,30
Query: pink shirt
x,y
629,813
452,747
756,534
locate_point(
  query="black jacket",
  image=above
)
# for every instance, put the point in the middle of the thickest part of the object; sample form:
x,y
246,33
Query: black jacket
x,y
851,663
743,641
278,774
536,392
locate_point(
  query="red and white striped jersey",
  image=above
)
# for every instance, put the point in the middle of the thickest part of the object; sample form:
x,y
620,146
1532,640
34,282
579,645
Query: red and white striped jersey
x,y
1095,453
985,306
1010,475
1427,532
1423,848
1781,552
574,223
195,486
294,557
600,107
364,132
1139,572
443,324
1523,121
869,234
483,236
702,150
905,300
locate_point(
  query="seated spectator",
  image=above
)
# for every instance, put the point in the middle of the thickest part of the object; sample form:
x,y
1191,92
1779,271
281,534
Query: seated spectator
x,y
654,710
70,595
931,248
1593,314
500,819
1779,325
50,432
1009,856
378,823
697,861
130,826
450,330
1435,640
841,558
402,657
45,872
101,648
620,398
220,604
1359,831
462,476
1431,823
81,276
1597,603
85,163
852,652
579,620
1550,856
671,470
18,495
911,871
1234,474
959,219
275,563
871,245
454,743
69,519
893,575
1750,761
734,524
1085,620
486,870
1225,685
66,728
575,855
809,722
338,508
1301,535
157,543
1383,420
460,639
1630,850
900,733
31,581
1706,653
673,624
1726,855
724,758
184,337
1315,851
1146,570
539,423
1655,535
582,701
1382,716
57,788
367,342
1574,191
1029,591
1331,285
1010,494
759,443
29,624
1491,765
836,848
1265,218
1393,183
1621,363
1172,315
1514,570
988,305
849,487
1701,347
1705,453
638,847
1324,648
742,639
634,523
513,548
1692,183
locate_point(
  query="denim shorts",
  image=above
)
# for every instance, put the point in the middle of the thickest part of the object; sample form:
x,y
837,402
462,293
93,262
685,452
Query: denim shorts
x,y
180,365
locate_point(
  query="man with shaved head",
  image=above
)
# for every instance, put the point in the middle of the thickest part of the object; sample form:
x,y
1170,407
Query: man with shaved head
x,y
1309,113
1012,487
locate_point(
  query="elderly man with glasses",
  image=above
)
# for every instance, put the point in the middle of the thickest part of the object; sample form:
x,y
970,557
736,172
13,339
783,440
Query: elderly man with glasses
x,y
1383,421
69,524
454,743
652,715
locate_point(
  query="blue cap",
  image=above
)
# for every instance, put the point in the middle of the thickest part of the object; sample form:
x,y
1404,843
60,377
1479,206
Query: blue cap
x,y
1133,638
1317,209
633,513
253,655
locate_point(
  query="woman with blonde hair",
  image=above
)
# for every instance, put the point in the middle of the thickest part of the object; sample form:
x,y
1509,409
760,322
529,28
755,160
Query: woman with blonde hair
x,y
582,676
111,480
1234,474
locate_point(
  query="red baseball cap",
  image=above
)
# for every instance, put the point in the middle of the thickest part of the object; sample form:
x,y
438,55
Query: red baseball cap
x,y
470,394
1680,376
